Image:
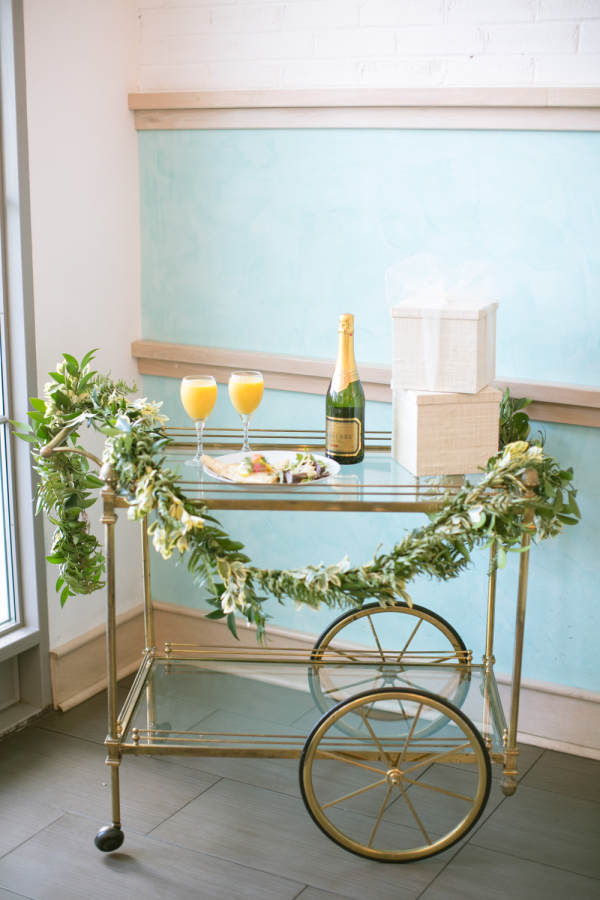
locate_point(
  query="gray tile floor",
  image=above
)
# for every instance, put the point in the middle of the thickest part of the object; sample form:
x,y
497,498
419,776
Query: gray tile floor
x,y
221,829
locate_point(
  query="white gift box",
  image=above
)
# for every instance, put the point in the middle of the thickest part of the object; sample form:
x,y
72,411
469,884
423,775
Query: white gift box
x,y
443,345
437,433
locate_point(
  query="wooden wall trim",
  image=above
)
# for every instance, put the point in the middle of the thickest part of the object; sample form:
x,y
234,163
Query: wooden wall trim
x,y
532,109
443,117
568,404
365,97
78,668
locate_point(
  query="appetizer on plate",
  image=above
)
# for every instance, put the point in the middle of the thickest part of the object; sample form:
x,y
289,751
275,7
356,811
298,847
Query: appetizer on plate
x,y
256,469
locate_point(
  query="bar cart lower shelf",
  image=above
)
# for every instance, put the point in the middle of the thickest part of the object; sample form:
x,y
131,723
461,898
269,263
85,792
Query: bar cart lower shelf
x,y
394,745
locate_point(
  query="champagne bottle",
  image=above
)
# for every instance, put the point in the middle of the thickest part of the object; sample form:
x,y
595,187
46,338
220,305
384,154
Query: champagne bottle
x,y
345,402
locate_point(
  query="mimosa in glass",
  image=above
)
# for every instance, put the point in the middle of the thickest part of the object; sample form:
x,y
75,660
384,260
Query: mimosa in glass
x,y
198,395
246,391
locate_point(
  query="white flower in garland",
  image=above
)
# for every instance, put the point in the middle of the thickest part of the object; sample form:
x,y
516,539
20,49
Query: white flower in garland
x,y
149,412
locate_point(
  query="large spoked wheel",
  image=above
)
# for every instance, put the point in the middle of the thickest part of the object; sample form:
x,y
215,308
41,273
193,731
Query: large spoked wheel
x,y
391,795
390,637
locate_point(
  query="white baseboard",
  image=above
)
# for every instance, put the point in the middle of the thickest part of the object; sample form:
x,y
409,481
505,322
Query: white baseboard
x,y
552,716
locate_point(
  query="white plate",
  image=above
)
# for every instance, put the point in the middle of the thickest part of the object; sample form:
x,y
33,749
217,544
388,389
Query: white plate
x,y
273,457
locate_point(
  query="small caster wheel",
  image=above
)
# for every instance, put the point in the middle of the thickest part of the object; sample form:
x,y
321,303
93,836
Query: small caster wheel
x,y
109,838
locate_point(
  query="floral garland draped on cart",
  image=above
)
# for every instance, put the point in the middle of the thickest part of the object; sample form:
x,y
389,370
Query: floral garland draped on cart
x,y
520,477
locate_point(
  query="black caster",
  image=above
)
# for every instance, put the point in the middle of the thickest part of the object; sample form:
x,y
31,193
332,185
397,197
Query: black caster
x,y
109,838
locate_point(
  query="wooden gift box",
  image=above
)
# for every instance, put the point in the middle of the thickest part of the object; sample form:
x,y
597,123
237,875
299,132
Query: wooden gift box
x,y
441,345
444,434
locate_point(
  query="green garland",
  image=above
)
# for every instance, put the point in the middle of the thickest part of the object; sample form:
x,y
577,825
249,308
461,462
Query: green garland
x,y
491,511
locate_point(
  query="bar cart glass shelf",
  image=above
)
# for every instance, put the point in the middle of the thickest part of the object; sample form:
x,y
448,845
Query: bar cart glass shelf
x,y
394,725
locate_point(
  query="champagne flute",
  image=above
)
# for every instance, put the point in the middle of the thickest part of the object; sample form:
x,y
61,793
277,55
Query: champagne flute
x,y
246,391
198,395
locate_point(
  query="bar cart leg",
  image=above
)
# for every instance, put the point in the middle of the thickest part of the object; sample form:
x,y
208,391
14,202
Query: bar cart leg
x,y
111,837
509,781
488,658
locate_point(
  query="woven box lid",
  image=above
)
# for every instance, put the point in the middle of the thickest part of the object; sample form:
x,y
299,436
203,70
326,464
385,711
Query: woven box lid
x,y
421,308
437,398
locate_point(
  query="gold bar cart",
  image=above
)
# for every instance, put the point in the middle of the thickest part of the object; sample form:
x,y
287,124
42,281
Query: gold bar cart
x,y
394,725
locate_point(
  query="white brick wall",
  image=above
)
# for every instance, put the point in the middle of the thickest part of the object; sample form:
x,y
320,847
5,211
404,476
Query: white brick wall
x,y
245,44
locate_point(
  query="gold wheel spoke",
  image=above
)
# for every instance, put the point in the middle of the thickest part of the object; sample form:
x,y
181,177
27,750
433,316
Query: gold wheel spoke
x,y
351,762
431,787
409,738
374,736
346,687
440,756
413,811
381,812
406,681
403,651
376,638
369,787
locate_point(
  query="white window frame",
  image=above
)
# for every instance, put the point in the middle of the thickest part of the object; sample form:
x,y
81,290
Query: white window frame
x,y
27,638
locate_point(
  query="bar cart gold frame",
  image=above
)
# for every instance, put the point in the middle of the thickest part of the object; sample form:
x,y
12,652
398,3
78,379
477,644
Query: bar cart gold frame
x,y
374,498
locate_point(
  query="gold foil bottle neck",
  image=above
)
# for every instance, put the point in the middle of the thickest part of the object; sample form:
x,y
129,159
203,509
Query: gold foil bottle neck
x,y
346,325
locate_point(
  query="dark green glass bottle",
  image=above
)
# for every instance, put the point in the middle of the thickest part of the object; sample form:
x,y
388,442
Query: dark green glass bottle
x,y
345,403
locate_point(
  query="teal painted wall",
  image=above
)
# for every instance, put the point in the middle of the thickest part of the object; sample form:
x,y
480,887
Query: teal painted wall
x,y
258,239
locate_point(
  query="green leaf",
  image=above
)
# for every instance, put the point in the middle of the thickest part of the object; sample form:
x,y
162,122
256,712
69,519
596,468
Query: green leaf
x,y
56,559
65,595
231,625
88,357
57,377
60,399
71,360
573,506
215,614
111,432
38,404
38,417
93,481
567,520
24,426
501,557
72,370
59,584
87,503
31,438
558,502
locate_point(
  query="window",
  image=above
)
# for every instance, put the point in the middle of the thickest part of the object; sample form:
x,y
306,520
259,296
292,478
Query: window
x,y
24,657
8,602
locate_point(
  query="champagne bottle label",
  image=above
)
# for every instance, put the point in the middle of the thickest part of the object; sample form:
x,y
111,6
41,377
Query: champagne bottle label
x,y
344,436
342,378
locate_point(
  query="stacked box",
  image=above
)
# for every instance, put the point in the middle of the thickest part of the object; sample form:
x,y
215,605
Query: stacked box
x,y
444,434
444,414
441,345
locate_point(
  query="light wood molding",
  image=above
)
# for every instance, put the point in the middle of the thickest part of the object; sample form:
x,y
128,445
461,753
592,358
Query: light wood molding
x,y
443,117
78,668
366,97
528,108
563,403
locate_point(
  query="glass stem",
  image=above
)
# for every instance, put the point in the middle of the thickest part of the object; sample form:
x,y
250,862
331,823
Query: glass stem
x,y
199,423
246,420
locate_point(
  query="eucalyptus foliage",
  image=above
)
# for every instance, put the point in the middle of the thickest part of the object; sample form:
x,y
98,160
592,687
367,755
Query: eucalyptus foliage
x,y
492,511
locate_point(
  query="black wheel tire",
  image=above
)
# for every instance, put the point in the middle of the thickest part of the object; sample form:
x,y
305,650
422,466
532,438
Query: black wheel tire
x,y
351,612
109,839
367,694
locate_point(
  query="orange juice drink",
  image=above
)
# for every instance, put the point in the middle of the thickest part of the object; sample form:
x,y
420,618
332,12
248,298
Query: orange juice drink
x,y
198,396
246,391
